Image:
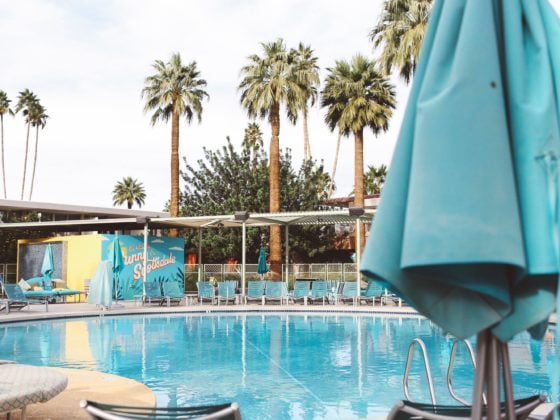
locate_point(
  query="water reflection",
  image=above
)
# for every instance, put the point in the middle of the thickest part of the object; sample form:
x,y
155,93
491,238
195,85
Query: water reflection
x,y
275,366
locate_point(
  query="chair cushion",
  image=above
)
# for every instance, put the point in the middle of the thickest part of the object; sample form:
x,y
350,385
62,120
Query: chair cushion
x,y
24,285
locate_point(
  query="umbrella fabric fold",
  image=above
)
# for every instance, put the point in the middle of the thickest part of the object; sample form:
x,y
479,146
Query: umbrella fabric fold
x,y
117,264
100,288
47,267
467,226
262,267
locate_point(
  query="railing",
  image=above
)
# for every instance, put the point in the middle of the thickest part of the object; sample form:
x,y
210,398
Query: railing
x,y
9,272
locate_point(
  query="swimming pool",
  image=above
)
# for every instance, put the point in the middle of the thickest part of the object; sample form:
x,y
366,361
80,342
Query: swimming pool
x,y
274,365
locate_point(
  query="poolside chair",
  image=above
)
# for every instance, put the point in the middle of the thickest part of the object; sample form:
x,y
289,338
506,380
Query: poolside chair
x,y
205,292
301,291
255,291
276,291
16,299
153,293
407,410
349,292
373,292
100,411
172,293
319,292
226,291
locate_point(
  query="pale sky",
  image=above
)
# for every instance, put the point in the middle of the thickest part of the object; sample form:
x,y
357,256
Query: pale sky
x,y
87,61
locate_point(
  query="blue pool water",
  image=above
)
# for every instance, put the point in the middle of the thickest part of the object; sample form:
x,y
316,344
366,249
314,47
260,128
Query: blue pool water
x,y
275,366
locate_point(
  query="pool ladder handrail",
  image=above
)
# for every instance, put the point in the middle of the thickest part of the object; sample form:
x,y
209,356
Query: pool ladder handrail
x,y
418,342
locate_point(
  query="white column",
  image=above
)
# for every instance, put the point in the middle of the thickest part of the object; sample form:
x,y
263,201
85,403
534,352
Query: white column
x,y
243,229
145,259
199,254
287,246
358,256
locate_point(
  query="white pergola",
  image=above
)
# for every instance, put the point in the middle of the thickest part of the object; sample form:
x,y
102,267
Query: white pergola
x,y
241,219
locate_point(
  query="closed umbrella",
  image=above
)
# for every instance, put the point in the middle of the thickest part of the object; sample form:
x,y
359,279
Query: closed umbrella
x,y
117,264
47,267
467,229
262,267
100,287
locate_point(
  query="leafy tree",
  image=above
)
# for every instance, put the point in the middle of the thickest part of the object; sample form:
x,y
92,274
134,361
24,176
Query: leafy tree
x,y
400,32
173,91
267,84
305,71
374,178
4,109
129,191
357,96
38,118
26,100
227,180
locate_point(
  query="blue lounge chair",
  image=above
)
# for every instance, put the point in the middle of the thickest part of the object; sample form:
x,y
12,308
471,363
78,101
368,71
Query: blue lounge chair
x,y
276,291
374,292
349,292
16,299
172,293
226,291
255,291
319,292
205,291
153,293
301,291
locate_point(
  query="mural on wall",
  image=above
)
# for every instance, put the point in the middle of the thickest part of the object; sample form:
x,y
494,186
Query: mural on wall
x,y
166,259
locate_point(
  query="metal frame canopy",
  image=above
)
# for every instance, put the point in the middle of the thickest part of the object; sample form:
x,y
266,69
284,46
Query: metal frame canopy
x,y
242,219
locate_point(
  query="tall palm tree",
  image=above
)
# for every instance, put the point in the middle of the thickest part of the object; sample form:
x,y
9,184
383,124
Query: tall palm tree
x,y
267,84
400,32
306,73
4,109
129,191
335,164
26,99
38,116
174,90
357,96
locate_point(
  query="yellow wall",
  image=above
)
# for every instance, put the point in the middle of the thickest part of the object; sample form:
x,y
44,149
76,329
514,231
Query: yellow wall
x,y
82,253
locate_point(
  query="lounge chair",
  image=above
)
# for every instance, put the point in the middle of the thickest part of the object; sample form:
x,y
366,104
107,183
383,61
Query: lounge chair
x,y
172,293
16,299
205,291
100,411
226,291
405,410
374,292
255,291
153,293
319,292
349,292
301,291
275,291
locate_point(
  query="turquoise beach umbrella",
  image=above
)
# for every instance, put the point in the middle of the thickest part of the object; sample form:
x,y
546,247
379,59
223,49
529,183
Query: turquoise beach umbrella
x,y
262,267
47,268
467,229
117,263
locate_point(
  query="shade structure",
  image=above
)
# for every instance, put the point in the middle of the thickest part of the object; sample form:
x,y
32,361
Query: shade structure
x,y
47,267
262,267
467,226
117,264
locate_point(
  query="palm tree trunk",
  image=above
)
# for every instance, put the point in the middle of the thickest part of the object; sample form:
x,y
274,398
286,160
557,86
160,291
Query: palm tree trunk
x,y
306,145
34,161
334,164
174,204
359,177
274,185
3,168
25,161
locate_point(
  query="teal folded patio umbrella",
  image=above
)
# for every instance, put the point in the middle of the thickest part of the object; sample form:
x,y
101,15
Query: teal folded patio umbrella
x,y
117,264
468,226
47,267
262,267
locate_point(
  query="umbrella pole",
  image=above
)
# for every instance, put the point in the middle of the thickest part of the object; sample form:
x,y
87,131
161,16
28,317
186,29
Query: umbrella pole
x,y
508,384
493,378
480,374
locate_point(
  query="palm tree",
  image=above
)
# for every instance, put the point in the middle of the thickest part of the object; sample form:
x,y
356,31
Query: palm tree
x,y
26,99
130,191
173,91
4,109
252,139
400,32
267,84
357,96
38,118
374,178
335,163
306,73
